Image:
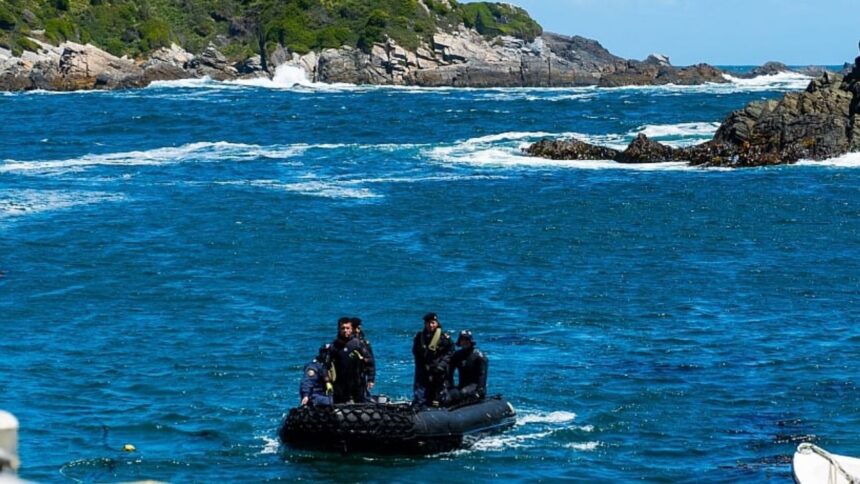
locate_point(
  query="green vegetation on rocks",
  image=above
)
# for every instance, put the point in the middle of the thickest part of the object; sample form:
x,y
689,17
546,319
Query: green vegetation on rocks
x,y
243,27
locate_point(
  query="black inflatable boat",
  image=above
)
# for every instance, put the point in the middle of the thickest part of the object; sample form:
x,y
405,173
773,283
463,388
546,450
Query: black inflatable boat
x,y
394,428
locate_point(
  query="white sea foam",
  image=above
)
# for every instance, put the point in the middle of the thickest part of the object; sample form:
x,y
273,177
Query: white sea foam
x,y
550,418
782,80
313,187
849,160
18,203
505,150
583,446
201,151
270,445
699,130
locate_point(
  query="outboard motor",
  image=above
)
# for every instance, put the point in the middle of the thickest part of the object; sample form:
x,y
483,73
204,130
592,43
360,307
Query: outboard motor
x,y
9,462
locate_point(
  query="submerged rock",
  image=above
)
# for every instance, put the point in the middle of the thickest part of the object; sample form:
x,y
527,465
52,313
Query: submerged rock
x,y
570,149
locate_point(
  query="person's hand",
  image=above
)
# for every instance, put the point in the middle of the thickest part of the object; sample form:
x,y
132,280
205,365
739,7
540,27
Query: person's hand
x,y
329,388
304,401
370,385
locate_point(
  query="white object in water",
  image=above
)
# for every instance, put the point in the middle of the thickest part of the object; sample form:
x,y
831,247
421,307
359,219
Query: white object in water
x,y
8,442
814,465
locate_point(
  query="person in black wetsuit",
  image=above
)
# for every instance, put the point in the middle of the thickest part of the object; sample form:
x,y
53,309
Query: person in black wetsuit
x,y
471,365
368,368
432,349
347,356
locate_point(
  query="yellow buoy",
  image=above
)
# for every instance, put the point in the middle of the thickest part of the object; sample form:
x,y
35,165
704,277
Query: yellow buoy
x,y
128,448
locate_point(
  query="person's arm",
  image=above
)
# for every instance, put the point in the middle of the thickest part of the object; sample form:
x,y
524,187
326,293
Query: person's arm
x,y
482,376
370,365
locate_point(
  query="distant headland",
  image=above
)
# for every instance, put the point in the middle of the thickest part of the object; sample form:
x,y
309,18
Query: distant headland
x,y
65,45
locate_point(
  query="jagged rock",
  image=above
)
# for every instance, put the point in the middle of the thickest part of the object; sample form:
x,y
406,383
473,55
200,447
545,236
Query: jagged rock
x,y
174,55
658,60
769,69
211,62
644,150
570,149
252,65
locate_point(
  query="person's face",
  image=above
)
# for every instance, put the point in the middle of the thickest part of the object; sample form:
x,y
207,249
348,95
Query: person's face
x,y
431,325
464,343
345,330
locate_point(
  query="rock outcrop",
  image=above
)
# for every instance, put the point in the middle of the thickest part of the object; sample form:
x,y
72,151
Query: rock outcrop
x,y
821,122
71,66
465,58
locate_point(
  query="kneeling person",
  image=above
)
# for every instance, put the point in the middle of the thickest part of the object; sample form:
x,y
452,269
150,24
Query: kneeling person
x,y
471,365
315,388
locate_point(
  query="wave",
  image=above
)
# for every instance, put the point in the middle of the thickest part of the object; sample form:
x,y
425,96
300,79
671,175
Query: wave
x,y
583,446
698,130
848,160
18,203
781,80
197,152
552,417
317,188
505,150
270,445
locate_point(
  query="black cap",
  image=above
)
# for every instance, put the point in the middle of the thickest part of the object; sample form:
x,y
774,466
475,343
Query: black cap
x,y
431,317
356,321
467,335
324,349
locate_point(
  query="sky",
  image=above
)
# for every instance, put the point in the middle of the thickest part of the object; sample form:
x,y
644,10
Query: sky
x,y
719,32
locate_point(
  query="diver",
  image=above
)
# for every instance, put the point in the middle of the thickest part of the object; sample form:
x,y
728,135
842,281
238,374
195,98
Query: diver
x,y
432,349
471,365
347,356
315,387
368,367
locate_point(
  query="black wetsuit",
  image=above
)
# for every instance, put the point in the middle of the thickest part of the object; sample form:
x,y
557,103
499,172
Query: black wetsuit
x,y
471,365
368,368
431,366
347,359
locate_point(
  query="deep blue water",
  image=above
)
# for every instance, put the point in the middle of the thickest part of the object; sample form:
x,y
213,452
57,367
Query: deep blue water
x,y
171,257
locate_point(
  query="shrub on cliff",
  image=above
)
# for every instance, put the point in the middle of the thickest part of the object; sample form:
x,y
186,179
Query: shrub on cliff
x,y
7,19
492,19
241,26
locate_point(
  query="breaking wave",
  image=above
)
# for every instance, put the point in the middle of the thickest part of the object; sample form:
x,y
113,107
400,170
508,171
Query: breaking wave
x,y
505,150
690,130
193,152
19,203
849,160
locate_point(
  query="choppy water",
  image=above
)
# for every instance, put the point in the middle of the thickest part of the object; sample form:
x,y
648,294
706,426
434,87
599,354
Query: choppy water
x,y
171,257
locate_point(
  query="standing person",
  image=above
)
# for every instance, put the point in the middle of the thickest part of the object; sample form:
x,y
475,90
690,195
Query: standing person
x,y
368,368
347,356
315,387
432,349
471,365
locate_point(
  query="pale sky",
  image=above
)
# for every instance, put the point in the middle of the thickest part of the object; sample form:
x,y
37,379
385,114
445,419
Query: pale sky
x,y
721,32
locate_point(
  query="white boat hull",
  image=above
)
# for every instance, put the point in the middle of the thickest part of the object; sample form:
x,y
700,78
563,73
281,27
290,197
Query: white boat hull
x,y
813,465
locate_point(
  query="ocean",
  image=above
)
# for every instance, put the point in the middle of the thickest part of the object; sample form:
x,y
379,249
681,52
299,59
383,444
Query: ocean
x,y
171,257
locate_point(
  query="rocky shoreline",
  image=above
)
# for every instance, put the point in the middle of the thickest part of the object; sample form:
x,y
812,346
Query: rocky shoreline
x,y
820,123
462,58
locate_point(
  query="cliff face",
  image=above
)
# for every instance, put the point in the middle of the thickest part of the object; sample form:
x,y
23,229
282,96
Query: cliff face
x,y
462,58
467,59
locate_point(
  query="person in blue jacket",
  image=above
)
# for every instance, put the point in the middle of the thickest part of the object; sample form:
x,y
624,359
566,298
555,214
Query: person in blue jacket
x,y
315,387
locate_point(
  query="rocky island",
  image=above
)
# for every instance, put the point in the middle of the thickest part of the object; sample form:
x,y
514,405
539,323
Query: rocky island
x,y
819,123
109,44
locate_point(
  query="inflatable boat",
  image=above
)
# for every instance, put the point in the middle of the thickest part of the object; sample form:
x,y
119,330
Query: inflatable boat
x,y
813,465
394,428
